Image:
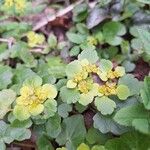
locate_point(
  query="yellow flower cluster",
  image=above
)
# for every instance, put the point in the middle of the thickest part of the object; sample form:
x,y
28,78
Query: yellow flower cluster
x,y
107,89
35,39
84,86
79,79
8,3
118,72
110,87
19,5
92,40
80,76
31,99
91,68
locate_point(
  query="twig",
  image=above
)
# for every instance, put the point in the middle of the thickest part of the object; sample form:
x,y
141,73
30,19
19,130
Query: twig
x,y
50,18
10,41
36,50
4,40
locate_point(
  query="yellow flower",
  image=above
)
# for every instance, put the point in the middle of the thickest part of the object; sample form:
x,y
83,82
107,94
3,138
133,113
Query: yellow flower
x,y
80,76
71,84
91,40
20,5
89,68
82,71
8,3
34,39
31,99
119,71
84,86
88,90
107,89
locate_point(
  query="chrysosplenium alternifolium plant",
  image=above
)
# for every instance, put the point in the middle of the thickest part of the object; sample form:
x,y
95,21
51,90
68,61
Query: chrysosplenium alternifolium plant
x,y
82,87
18,5
33,97
34,39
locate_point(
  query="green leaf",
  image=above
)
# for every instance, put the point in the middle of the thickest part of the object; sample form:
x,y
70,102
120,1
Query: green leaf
x,y
135,116
145,93
34,81
27,57
5,134
56,67
76,38
129,66
106,65
21,112
129,141
98,147
144,1
144,36
52,41
7,97
50,108
83,146
87,46
73,132
43,143
80,12
132,83
73,68
112,32
21,124
74,51
142,125
90,55
126,115
105,105
20,134
2,145
5,76
21,51
106,124
123,92
64,109
82,28
69,95
4,52
80,108
21,73
53,126
95,137
86,99
44,74
8,134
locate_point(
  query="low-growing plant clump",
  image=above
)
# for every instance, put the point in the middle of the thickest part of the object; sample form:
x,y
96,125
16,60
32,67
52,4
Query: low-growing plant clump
x,y
74,75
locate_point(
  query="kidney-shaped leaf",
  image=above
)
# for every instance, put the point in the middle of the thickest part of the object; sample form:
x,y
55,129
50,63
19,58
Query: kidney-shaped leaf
x,y
6,99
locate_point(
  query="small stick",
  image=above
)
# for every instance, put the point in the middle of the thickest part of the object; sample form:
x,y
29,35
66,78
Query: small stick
x,y
50,18
9,41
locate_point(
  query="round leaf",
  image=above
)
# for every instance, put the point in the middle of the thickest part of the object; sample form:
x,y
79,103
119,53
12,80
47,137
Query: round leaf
x,y
105,105
69,95
123,92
